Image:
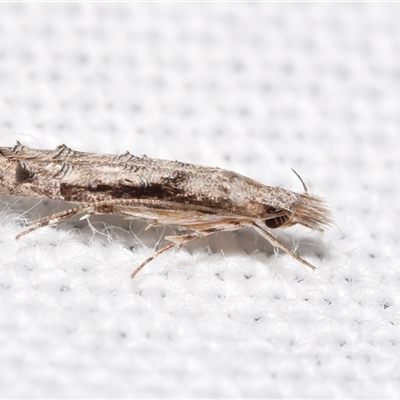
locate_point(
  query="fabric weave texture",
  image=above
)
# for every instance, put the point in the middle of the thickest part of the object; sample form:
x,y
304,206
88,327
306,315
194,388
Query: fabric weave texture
x,y
257,88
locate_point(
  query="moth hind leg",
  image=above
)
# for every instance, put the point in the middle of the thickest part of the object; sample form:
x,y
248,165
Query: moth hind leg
x,y
54,219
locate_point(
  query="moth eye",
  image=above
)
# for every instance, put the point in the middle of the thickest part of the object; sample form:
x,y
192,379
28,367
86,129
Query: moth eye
x,y
276,222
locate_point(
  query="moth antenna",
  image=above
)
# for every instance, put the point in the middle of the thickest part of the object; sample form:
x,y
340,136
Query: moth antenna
x,y
302,182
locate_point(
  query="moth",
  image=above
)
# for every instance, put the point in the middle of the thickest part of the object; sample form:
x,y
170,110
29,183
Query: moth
x,y
198,199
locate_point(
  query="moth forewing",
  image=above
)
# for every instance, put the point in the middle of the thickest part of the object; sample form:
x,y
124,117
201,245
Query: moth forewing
x,y
200,199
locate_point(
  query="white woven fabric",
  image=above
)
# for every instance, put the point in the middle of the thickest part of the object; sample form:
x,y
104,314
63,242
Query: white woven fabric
x,y
255,88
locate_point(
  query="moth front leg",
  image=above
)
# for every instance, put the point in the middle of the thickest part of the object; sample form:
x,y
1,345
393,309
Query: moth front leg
x,y
276,243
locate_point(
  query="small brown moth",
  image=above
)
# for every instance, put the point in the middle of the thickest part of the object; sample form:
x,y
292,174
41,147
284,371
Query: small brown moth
x,y
200,199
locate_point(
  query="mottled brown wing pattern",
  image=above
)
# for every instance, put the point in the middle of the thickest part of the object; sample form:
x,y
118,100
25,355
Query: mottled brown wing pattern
x,y
202,199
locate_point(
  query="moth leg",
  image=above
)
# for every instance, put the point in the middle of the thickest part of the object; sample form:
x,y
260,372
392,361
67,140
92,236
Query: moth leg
x,y
178,241
275,242
53,219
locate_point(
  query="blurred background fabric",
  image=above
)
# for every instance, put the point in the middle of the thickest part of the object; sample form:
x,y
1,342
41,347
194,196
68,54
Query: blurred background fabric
x,y
257,88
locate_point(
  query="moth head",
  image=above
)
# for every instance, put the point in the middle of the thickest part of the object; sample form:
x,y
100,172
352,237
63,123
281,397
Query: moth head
x,y
279,218
304,209
307,210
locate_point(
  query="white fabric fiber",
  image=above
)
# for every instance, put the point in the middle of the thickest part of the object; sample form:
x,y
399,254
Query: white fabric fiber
x,y
256,88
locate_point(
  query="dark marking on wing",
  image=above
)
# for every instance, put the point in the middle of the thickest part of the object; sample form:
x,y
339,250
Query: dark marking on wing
x,y
23,174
